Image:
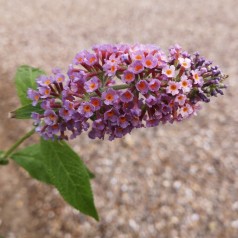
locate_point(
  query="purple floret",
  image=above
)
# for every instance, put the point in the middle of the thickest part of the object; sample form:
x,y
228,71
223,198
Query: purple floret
x,y
50,117
86,109
33,95
92,85
136,67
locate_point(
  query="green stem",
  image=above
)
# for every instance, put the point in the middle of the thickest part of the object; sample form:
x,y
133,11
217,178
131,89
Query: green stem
x,y
122,86
14,146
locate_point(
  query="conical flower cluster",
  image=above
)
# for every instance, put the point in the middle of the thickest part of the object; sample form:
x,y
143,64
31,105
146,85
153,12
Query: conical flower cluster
x,y
116,88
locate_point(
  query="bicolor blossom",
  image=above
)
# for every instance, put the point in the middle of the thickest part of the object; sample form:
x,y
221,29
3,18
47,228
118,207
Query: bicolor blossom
x,y
185,62
114,89
169,71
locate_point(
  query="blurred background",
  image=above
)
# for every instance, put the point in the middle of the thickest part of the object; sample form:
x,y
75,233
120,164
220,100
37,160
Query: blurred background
x,y
172,181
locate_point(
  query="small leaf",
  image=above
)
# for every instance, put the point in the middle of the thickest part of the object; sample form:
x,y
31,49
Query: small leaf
x,y
69,175
30,158
26,78
26,111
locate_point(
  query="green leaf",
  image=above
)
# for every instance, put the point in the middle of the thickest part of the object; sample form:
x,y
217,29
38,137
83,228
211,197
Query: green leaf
x,y
69,175
26,78
25,111
30,158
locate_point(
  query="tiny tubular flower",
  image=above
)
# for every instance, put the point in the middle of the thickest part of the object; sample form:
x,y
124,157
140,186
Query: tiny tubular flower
x,y
33,95
126,96
142,86
110,115
59,78
45,92
128,77
197,77
86,109
154,85
169,71
110,69
96,102
50,117
43,81
123,121
173,87
109,96
91,59
92,85
136,67
150,62
79,58
180,99
186,110
186,84
185,62
137,55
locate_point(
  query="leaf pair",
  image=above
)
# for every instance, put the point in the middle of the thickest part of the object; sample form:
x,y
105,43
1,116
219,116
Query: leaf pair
x,y
55,163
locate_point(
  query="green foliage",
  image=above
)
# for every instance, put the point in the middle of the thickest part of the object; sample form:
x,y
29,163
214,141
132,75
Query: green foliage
x,y
52,162
30,158
26,78
69,175
26,111
56,163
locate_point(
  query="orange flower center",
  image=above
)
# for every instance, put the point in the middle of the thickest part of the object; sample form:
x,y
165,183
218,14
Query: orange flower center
x,y
52,117
95,103
80,59
138,57
196,76
169,71
141,85
153,86
60,80
122,119
129,76
110,114
47,91
109,97
113,68
127,95
138,67
55,126
87,108
92,59
184,83
92,85
173,87
148,62
184,64
47,82
66,112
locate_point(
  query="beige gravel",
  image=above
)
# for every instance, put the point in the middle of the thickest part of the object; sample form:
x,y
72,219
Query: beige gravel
x,y
174,181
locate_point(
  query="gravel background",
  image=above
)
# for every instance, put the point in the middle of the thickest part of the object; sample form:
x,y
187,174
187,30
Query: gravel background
x,y
174,181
